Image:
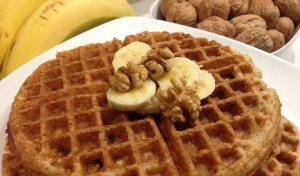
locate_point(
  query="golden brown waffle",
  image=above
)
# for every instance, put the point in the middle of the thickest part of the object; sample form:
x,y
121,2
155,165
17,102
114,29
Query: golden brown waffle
x,y
60,122
285,159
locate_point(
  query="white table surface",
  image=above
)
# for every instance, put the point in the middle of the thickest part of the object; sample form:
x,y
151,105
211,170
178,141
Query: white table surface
x,y
142,8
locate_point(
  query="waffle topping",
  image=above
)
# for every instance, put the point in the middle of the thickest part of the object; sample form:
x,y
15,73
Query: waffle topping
x,y
136,71
133,75
179,99
156,64
182,84
120,82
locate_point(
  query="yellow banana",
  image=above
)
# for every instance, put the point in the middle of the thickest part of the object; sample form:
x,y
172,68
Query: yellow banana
x,y
57,20
12,14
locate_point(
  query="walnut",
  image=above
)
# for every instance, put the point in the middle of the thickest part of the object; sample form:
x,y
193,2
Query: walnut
x,y
220,8
217,25
182,13
120,82
286,26
277,38
244,22
165,52
257,37
156,55
155,69
179,99
165,5
266,9
195,3
138,73
289,8
238,7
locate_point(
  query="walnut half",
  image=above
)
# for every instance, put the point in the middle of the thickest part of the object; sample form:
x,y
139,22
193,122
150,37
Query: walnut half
x,y
120,82
133,75
179,99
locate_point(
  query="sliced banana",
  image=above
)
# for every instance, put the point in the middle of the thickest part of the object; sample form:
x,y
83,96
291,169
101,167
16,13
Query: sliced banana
x,y
132,100
190,70
151,107
131,52
181,67
206,85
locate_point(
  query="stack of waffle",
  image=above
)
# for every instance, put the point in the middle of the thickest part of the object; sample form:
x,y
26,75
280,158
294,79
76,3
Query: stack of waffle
x,y
61,124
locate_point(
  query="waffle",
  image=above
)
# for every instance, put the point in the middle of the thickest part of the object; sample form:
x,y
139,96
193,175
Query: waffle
x,y
61,124
285,159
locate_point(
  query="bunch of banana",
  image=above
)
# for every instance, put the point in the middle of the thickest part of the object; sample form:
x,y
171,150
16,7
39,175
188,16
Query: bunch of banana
x,y
143,99
13,14
51,23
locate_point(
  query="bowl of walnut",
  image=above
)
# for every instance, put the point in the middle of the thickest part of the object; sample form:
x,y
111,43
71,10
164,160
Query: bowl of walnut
x,y
270,25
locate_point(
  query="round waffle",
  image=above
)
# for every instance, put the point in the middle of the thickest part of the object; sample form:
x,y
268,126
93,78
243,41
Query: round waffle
x,y
61,124
285,158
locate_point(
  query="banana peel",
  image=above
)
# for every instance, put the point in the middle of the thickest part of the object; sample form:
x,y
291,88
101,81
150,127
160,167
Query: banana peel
x,y
13,14
57,20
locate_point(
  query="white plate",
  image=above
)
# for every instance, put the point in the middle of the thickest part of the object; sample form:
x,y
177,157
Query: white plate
x,y
279,74
155,14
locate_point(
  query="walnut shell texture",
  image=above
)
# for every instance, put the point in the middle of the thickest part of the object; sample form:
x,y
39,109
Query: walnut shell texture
x,y
266,9
217,25
265,24
277,38
238,7
257,37
182,13
289,8
244,22
165,5
286,26
207,8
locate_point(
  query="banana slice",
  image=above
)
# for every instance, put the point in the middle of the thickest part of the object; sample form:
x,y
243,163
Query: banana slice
x,y
131,52
206,85
151,107
132,100
190,70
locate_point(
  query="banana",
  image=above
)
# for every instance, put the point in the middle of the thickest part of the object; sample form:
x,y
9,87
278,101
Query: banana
x,y
206,85
202,80
57,20
132,100
136,98
13,14
131,52
151,107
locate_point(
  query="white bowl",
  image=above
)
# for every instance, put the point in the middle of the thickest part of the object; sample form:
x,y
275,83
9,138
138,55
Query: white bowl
x,y
155,14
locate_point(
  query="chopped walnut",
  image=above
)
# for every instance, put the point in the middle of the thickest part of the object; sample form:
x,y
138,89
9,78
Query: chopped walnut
x,y
179,99
120,82
155,69
157,56
165,52
138,73
126,77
